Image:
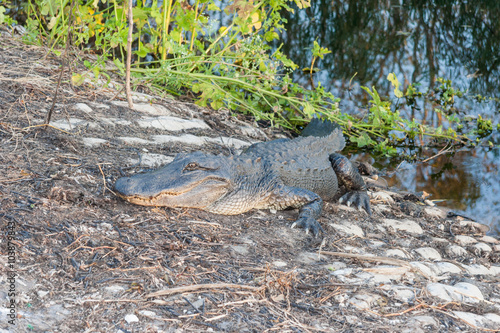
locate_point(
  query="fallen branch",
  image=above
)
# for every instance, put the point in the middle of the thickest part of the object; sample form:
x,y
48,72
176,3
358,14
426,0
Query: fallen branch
x,y
383,260
196,287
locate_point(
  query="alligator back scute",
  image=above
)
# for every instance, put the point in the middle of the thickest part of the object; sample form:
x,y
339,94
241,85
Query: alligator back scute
x,y
303,162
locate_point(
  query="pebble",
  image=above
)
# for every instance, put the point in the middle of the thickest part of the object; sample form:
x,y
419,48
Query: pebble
x,y
73,123
114,290
407,225
402,294
487,321
363,301
199,140
456,251
309,257
476,269
444,267
464,240
240,249
147,313
133,141
396,253
334,266
171,123
279,263
489,239
152,160
436,212
462,292
348,229
93,142
429,253
482,247
83,107
425,320
115,121
152,109
131,318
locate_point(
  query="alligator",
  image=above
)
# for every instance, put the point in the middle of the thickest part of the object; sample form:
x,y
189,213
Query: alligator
x,y
278,174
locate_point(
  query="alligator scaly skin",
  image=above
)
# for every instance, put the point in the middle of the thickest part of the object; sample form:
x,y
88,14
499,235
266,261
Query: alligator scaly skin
x,y
285,173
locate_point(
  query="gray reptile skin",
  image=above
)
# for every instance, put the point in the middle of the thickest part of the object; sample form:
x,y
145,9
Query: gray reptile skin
x,y
279,174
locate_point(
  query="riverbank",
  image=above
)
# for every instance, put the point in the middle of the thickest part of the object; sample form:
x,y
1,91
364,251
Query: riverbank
x,y
85,260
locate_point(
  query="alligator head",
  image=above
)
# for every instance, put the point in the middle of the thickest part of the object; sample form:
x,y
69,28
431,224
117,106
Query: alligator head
x,y
193,180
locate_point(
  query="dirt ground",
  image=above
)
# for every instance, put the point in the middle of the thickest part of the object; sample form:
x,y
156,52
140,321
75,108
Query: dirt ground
x,y
86,261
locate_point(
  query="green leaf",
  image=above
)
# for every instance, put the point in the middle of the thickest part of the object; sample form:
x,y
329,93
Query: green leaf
x,y
395,83
213,7
308,110
319,51
2,16
77,79
362,140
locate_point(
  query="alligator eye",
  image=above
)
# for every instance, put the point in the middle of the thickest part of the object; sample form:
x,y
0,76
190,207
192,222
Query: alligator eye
x,y
191,166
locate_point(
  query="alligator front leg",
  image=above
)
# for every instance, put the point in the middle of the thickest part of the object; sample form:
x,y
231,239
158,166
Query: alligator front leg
x,y
348,176
310,205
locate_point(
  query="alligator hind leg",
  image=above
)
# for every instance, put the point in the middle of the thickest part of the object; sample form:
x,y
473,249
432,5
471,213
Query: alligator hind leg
x,y
348,176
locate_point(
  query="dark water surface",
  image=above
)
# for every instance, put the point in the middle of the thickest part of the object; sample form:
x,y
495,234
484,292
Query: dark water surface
x,y
418,41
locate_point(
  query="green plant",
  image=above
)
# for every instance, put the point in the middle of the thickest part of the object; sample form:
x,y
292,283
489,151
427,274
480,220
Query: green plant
x,y
177,50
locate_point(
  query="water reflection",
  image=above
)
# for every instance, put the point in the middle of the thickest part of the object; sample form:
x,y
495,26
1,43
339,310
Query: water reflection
x,y
467,181
419,41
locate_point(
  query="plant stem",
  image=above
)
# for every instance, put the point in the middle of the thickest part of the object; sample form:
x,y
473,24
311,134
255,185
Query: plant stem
x,y
166,24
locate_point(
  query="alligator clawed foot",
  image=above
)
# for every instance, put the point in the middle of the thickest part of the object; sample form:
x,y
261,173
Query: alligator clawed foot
x,y
359,199
308,223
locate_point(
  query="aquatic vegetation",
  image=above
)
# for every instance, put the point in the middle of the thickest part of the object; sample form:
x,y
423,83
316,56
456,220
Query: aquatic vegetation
x,y
179,49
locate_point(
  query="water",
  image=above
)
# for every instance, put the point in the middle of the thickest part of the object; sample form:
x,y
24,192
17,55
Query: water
x,y
418,41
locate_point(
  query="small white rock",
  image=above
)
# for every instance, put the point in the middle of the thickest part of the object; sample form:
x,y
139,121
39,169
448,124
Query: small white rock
x,y
482,247
404,295
437,212
199,140
152,160
83,107
477,269
461,292
279,263
456,251
131,318
240,249
147,313
444,267
426,320
348,228
334,266
93,142
464,240
489,321
171,123
363,301
114,290
133,141
429,253
489,239
407,225
397,253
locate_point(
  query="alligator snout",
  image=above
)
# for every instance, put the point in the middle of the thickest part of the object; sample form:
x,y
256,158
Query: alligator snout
x,y
123,186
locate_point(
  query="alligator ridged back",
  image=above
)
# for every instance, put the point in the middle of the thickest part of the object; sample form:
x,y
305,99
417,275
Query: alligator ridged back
x,y
303,161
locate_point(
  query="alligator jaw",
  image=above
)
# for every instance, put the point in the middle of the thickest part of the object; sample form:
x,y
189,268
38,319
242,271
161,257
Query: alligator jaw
x,y
197,195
